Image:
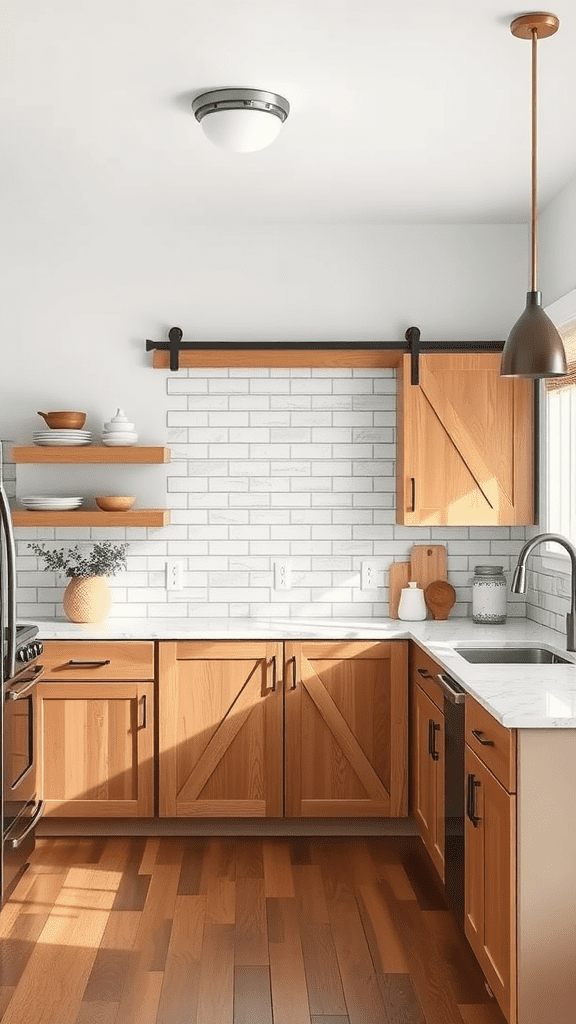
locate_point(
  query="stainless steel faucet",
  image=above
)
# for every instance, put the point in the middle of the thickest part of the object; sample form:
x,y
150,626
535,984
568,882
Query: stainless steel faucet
x,y
519,580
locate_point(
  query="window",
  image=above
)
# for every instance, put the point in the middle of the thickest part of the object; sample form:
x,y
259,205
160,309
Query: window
x,y
559,437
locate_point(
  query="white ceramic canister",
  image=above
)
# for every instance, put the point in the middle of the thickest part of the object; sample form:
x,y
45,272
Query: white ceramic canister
x,y
412,606
489,597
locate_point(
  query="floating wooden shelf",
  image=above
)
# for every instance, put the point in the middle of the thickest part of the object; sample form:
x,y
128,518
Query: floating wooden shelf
x,y
280,358
91,453
92,517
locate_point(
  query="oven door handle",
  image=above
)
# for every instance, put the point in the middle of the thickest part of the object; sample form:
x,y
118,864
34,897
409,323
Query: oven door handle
x,y
22,688
18,840
451,689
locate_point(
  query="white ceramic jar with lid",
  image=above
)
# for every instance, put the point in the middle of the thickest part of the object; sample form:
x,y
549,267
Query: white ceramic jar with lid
x,y
412,606
119,430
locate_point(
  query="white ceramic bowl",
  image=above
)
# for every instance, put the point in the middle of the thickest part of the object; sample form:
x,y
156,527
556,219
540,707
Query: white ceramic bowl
x,y
123,425
127,435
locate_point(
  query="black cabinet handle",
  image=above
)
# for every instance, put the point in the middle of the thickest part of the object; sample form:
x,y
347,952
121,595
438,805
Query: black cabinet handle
x,y
294,674
143,722
424,673
89,664
413,494
472,784
433,728
479,735
272,664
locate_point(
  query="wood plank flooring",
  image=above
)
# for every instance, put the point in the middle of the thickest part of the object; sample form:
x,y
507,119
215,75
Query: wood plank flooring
x,y
235,931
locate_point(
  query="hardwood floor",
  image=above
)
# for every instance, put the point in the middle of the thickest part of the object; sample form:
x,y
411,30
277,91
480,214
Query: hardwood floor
x,y
235,931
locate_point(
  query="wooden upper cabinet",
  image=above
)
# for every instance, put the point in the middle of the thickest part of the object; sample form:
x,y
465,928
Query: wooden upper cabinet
x,y
346,729
465,443
220,725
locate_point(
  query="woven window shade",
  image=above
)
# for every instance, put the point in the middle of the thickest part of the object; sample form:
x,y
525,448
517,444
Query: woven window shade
x,y
567,332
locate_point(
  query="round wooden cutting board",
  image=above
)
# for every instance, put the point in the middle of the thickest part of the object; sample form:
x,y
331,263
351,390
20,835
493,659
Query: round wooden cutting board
x,y
440,597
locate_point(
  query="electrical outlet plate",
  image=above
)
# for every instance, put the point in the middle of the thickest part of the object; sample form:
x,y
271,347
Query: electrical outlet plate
x,y
369,576
174,574
282,576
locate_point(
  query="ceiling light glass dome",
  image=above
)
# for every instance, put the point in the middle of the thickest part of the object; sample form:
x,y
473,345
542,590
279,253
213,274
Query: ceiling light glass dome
x,y
241,120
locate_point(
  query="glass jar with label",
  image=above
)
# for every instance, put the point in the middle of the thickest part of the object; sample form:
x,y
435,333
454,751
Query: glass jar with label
x,y
489,597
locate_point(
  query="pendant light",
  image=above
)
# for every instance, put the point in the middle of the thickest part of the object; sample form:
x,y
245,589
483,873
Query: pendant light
x,y
534,348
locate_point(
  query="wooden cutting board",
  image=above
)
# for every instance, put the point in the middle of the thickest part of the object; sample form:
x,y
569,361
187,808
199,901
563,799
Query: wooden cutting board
x,y
428,563
399,576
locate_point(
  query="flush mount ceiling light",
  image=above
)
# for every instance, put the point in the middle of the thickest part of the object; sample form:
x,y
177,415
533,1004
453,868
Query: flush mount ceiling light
x,y
242,120
534,348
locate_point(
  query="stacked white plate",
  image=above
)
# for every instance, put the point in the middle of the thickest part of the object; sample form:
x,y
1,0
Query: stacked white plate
x,y
118,437
62,437
50,503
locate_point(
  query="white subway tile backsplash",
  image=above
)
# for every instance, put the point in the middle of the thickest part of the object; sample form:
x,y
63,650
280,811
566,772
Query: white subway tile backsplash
x,y
270,386
291,464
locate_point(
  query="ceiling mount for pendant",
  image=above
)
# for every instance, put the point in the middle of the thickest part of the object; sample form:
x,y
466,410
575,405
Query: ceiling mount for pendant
x,y
544,24
534,347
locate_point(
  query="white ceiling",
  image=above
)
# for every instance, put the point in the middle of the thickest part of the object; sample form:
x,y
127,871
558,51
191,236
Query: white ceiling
x,y
408,112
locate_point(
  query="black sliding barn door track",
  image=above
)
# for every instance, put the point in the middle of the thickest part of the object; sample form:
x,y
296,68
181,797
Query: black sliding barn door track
x,y
413,345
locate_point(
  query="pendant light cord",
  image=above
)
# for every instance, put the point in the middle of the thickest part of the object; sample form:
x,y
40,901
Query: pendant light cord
x,y
533,208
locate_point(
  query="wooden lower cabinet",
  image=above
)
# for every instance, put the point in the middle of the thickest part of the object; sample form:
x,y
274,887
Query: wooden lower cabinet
x,y
96,728
264,729
221,729
490,873
427,770
96,748
346,729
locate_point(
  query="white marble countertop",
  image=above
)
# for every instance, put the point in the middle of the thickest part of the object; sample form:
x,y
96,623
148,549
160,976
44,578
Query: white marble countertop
x,y
524,696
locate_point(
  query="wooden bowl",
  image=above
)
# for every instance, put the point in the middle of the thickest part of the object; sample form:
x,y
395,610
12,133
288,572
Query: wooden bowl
x,y
64,420
115,502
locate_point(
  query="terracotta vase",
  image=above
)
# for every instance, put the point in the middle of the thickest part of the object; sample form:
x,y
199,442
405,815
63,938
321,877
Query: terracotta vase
x,y
87,599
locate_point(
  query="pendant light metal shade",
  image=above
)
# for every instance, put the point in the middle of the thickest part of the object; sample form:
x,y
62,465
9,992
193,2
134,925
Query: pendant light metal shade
x,y
534,347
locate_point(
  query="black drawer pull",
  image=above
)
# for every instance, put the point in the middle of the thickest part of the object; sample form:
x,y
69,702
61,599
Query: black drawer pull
x,y
478,735
433,728
89,664
424,673
473,783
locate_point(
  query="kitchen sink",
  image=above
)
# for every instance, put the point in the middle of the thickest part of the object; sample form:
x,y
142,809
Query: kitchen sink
x,y
511,656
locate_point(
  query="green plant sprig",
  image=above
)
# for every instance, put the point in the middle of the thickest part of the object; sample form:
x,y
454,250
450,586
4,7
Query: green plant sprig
x,y
105,559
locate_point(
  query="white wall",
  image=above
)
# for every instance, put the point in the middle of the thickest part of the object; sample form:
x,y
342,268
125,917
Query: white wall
x,y
84,289
557,245
547,597
80,296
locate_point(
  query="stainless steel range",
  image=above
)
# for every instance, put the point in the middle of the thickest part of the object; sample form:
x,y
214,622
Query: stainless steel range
x,y
19,672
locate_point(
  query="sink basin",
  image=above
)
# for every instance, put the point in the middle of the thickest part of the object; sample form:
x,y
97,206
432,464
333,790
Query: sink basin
x,y
511,656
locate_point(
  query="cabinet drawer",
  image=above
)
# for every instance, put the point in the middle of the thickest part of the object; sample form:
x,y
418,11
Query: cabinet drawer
x,y
492,743
87,659
423,671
